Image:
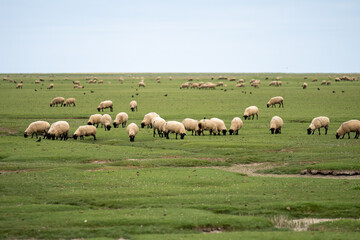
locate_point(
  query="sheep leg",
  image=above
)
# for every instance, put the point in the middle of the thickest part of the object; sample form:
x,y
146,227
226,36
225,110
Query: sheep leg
x,y
349,135
111,109
257,117
319,130
313,132
94,136
326,129
357,135
237,132
192,133
154,133
176,135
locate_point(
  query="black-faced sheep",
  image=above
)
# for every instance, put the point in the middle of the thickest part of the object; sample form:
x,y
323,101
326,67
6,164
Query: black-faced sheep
x,y
207,125
174,127
158,124
191,125
318,123
133,105
86,130
70,101
132,129
56,101
235,126
121,118
347,127
94,119
58,129
38,127
276,124
251,111
276,100
147,119
105,104
220,125
106,121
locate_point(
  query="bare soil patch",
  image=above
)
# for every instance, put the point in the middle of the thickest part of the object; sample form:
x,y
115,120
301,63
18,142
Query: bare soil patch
x,y
7,131
100,161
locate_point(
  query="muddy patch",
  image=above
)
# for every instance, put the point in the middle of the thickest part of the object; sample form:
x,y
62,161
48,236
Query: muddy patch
x,y
330,172
7,131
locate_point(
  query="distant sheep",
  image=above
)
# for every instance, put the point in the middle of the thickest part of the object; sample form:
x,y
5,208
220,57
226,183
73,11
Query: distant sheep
x,y
121,118
19,85
191,125
207,125
220,125
76,82
328,83
106,121
95,119
185,85
86,130
105,104
275,125
194,85
147,119
235,126
70,101
318,123
158,124
314,80
240,85
175,127
56,101
38,127
276,100
240,81
133,105
37,82
251,111
59,129
51,86
323,82
132,129
142,84
305,85
347,127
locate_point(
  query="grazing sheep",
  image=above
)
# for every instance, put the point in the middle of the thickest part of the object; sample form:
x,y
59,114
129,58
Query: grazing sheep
x,y
277,78
121,79
174,127
132,129
314,80
90,81
38,127
70,101
255,85
106,121
158,124
37,82
304,85
305,77
58,129
94,119
220,125
251,111
86,130
19,85
121,118
276,100
337,79
232,79
191,125
105,104
236,124
142,84
273,83
318,123
220,84
276,124
240,85
51,86
133,105
207,125
347,127
147,119
77,86
279,83
210,85
101,81
328,83
194,85
240,81
323,82
185,85
76,82
56,101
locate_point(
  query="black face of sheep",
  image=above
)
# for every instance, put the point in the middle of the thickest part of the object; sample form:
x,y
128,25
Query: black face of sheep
x,y
89,123
50,105
272,130
309,131
182,135
245,117
231,132
337,136
108,127
132,109
224,132
267,105
25,135
75,137
132,138
98,109
142,125
115,125
277,131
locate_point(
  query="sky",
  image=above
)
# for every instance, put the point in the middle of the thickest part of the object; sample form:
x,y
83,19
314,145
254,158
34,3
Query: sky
x,y
73,36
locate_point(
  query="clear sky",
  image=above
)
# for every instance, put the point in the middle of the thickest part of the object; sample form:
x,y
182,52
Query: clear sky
x,y
179,36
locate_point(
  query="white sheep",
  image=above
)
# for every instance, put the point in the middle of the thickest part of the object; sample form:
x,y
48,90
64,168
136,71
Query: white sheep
x,y
174,127
38,127
185,85
19,85
59,129
240,85
106,121
121,118
76,82
70,101
207,125
347,127
142,84
318,123
305,85
133,105
276,124
105,104
276,100
86,130
191,125
236,124
158,124
220,125
56,101
94,119
147,119
51,86
132,129
251,111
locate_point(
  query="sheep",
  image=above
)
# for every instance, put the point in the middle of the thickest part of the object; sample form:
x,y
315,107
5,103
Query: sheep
x,y
255,85
318,123
105,104
58,129
236,124
174,127
142,84
19,85
86,130
185,85
314,80
37,82
133,105
211,85
328,83
132,129
158,124
207,125
191,125
70,101
90,81
121,79
251,111
276,124
347,127
279,83
51,86
101,81
220,125
76,82
56,101
276,100
106,121
240,81
232,79
323,82
337,79
147,119
304,85
121,118
36,128
273,83
94,119
77,86
220,84
194,85
240,85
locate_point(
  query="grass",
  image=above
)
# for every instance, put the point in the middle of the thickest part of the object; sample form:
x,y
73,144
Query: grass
x,y
168,189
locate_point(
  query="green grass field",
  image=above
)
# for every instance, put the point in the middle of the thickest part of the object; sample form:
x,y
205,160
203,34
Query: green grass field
x,y
156,188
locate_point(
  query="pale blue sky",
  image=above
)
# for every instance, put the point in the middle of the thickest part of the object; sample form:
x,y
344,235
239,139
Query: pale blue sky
x,y
179,36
